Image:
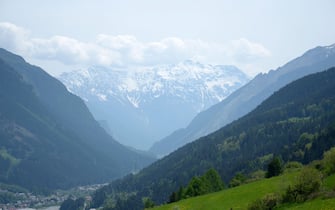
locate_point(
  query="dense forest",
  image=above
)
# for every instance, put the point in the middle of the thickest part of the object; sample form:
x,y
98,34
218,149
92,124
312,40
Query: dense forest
x,y
296,123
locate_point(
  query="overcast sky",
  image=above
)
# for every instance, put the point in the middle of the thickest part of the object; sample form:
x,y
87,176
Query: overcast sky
x,y
254,35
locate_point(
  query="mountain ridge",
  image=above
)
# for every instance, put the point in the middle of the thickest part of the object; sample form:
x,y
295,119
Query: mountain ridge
x,y
48,137
247,98
152,101
296,123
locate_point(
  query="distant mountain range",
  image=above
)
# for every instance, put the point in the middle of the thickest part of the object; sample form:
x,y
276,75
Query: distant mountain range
x,y
140,106
247,98
296,123
48,137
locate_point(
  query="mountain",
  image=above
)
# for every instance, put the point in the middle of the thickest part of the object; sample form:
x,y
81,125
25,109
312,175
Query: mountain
x,y
48,137
140,106
247,98
296,123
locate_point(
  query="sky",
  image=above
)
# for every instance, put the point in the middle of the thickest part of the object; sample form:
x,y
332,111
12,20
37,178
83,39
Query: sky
x,y
254,35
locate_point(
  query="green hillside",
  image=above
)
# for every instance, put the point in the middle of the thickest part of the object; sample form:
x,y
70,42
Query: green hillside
x,y
240,197
296,123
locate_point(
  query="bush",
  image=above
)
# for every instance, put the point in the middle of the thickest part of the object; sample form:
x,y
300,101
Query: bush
x,y
268,202
274,168
328,162
256,205
237,180
293,165
257,175
148,203
208,183
212,181
195,188
309,181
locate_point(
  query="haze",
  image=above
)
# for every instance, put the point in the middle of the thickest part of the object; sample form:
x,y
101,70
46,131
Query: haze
x,y
256,36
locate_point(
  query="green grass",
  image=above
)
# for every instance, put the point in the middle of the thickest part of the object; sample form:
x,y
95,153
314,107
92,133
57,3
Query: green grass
x,y
235,198
329,182
316,204
240,197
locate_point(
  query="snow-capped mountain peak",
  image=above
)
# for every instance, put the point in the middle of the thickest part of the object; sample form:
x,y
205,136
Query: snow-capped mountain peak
x,y
154,94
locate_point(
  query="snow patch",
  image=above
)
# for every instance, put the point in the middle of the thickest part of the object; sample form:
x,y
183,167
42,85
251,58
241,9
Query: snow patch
x,y
201,85
102,97
130,85
135,101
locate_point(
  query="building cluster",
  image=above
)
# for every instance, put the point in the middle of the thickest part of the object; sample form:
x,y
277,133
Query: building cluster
x,y
28,201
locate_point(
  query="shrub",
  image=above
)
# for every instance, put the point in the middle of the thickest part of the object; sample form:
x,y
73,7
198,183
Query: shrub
x,y
195,187
328,162
212,181
237,180
257,175
274,168
268,202
256,205
309,181
293,165
148,203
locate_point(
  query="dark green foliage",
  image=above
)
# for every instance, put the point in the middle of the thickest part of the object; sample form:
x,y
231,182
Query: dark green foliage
x,y
196,187
212,181
148,203
328,162
293,165
6,197
275,167
176,196
237,180
100,196
70,204
133,202
268,202
297,123
247,98
309,181
208,183
257,175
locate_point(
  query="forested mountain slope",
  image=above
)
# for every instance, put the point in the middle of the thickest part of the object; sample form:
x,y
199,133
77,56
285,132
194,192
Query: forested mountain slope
x,y
297,123
48,138
248,98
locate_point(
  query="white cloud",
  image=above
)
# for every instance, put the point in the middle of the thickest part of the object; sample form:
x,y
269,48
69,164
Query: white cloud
x,y
71,51
125,50
14,38
245,51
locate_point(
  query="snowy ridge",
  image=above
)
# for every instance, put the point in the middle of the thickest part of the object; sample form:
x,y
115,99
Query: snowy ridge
x,y
204,85
144,104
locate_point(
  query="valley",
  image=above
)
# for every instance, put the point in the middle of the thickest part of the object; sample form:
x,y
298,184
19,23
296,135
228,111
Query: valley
x,y
167,105
152,101
295,123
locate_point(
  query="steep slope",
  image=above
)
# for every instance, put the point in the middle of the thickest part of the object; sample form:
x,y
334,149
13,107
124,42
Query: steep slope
x,y
143,105
297,123
247,98
242,196
49,139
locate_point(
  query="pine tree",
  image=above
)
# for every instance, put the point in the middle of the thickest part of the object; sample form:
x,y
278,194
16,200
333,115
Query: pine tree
x,y
275,167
